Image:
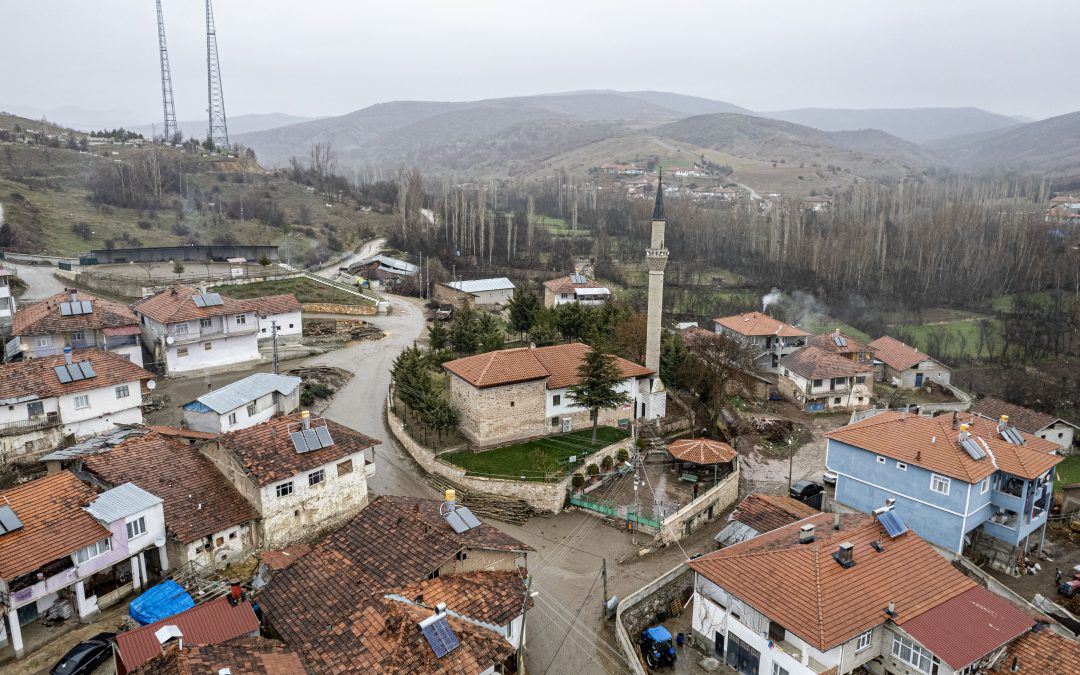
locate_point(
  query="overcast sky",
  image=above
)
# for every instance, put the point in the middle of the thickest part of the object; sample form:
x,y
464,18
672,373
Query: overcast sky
x,y
328,57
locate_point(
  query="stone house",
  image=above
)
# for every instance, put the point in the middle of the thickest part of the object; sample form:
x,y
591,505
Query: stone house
x,y
822,381
849,603
771,339
76,394
244,403
575,288
1029,421
905,367
302,475
513,394
474,292
759,513
78,320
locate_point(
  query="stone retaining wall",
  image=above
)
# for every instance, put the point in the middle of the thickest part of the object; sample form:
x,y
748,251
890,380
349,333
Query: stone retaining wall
x,y
636,607
708,506
334,308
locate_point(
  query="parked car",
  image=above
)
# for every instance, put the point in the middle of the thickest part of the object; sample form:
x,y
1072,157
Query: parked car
x,y
1069,588
84,657
829,478
657,648
805,489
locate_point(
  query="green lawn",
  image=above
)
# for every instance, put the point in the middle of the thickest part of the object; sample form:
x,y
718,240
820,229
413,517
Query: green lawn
x,y
539,458
305,290
1068,472
963,329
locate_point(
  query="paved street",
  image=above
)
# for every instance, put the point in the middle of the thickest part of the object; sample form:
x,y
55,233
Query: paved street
x,y
40,281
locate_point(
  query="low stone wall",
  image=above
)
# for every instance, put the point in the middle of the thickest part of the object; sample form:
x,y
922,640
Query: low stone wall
x,y
708,506
334,308
638,610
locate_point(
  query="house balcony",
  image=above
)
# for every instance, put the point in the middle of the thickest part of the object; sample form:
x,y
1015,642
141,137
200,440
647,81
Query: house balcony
x,y
213,333
50,578
119,341
1004,500
46,421
83,344
39,352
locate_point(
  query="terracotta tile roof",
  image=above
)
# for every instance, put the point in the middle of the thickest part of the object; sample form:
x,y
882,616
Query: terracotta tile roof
x,y
758,324
182,433
896,354
1042,653
701,451
564,285
177,304
267,454
44,318
329,606
827,342
822,602
198,500
247,655
54,523
206,624
557,364
967,627
272,304
765,513
931,443
1024,419
814,363
35,378
279,560
491,597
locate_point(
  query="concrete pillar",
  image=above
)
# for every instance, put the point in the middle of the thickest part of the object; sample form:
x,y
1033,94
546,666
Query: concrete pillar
x,y
16,633
136,577
164,557
83,606
142,566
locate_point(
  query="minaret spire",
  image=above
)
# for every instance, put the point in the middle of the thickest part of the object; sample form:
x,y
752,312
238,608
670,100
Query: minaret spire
x,y
658,207
656,257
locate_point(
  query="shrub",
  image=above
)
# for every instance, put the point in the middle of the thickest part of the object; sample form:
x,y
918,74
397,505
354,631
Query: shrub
x,y
577,481
592,470
320,390
623,454
82,230
306,397
607,463
145,225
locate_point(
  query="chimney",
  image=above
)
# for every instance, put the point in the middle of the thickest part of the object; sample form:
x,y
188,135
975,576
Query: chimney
x,y
169,638
74,295
451,498
67,355
836,521
806,534
1015,664
890,502
1003,423
891,609
955,421
845,555
305,419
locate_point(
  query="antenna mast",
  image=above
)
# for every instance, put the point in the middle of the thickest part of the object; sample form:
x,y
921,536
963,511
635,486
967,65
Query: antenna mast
x,y
166,80
218,131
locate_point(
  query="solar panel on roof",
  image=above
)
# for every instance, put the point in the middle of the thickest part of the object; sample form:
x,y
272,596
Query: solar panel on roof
x,y
456,522
298,441
324,437
87,308
972,448
467,516
62,374
76,372
87,369
1012,436
840,341
213,299
312,439
9,522
440,637
892,524
578,279
199,300
65,309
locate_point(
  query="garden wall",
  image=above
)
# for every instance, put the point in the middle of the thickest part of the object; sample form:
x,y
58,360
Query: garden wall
x,y
638,610
334,308
718,499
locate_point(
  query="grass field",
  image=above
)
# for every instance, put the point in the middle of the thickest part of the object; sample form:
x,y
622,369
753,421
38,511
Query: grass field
x,y
1068,472
537,459
305,290
963,335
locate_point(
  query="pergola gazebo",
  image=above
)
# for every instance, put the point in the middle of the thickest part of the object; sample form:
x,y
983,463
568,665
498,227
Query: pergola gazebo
x,y
696,458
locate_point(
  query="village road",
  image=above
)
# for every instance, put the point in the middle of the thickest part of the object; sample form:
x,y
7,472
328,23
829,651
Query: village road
x,y
40,281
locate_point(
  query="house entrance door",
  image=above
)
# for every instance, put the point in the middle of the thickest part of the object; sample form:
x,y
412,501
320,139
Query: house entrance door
x,y
918,380
741,657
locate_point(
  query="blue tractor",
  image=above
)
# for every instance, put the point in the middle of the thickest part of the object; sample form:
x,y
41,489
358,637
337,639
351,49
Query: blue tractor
x,y
657,647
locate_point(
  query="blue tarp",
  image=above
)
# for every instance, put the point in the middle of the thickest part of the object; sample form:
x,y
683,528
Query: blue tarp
x,y
160,602
658,634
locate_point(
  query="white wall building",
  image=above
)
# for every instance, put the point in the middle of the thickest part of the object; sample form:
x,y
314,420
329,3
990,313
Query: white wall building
x,y
477,292
282,310
7,302
575,288
770,339
244,403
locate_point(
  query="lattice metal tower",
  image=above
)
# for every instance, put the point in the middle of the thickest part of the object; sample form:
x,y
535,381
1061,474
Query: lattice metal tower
x,y
166,80
218,131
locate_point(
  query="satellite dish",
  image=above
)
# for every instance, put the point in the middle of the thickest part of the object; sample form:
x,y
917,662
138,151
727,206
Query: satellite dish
x,y
151,385
159,541
169,340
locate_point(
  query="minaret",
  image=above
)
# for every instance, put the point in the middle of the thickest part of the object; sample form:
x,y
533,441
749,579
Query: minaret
x,y
656,257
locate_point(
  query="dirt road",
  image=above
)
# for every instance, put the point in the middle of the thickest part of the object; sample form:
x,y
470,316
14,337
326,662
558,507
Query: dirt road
x,y
40,281
367,250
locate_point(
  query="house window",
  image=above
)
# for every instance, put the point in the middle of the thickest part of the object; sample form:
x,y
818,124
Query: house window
x,y
43,341
880,459
241,319
35,408
181,352
911,653
252,409
777,670
817,383
232,418
220,541
316,477
284,490
901,466
344,468
182,328
556,399
860,399
82,401
78,336
860,379
939,484
122,391
207,346
206,322
511,404
232,535
93,550
984,486
291,325
136,527
836,401
554,421
864,640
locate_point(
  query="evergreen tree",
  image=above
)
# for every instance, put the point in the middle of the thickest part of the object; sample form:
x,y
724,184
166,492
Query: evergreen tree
x,y
490,331
464,339
524,307
544,332
674,358
438,336
599,377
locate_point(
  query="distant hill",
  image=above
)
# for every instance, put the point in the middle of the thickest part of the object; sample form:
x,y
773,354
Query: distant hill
x,y
917,125
1049,146
239,124
866,153
680,103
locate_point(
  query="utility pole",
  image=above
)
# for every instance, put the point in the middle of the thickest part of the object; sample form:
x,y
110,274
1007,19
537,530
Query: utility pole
x,y
273,334
521,638
790,458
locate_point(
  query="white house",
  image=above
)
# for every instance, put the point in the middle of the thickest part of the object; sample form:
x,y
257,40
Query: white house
x,y
905,367
244,403
822,381
771,339
476,292
302,475
1047,427
59,541
575,288
78,320
76,394
7,302
281,310
188,330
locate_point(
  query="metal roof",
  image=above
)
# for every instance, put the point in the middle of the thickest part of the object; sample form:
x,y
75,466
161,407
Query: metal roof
x,y
240,393
392,263
480,285
93,445
120,502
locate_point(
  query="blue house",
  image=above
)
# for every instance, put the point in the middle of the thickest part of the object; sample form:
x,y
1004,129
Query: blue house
x,y
976,487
